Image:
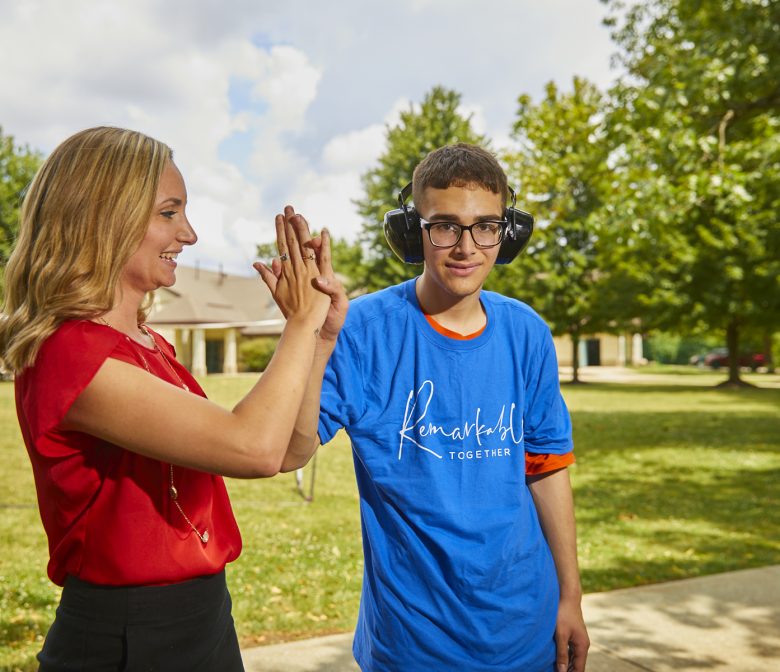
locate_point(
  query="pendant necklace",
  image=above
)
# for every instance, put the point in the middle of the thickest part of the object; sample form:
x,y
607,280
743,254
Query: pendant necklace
x,y
173,493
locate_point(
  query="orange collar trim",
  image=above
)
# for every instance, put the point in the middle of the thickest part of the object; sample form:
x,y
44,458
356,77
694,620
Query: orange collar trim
x,y
452,334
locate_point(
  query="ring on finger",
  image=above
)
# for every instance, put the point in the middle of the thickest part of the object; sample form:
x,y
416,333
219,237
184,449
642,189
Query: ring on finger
x,y
312,256
283,256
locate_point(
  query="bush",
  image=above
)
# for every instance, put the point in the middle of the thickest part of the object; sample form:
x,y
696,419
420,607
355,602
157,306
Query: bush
x,y
667,348
255,353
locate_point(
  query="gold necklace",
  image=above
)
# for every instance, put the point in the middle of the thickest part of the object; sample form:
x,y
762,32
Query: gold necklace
x,y
173,493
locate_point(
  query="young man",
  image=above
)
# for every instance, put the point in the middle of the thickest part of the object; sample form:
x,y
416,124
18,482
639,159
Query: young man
x,y
461,440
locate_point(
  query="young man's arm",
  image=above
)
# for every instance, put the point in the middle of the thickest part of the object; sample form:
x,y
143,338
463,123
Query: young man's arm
x,y
555,505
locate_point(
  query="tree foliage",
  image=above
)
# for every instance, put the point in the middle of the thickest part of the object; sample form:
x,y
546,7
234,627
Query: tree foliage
x,y
697,177
436,122
561,167
17,168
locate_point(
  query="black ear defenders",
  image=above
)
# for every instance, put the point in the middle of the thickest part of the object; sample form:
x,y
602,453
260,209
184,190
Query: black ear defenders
x,y
405,237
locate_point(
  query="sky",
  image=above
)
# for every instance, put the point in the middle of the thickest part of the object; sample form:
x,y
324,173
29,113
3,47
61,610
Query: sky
x,y
268,102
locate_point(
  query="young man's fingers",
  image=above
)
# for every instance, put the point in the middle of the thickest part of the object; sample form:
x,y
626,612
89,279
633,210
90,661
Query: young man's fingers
x,y
562,653
325,264
325,285
579,654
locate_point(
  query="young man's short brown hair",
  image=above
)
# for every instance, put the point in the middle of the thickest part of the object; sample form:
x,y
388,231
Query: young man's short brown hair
x,y
459,165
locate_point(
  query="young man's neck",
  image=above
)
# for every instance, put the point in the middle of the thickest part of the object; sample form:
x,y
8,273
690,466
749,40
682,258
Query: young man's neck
x,y
461,314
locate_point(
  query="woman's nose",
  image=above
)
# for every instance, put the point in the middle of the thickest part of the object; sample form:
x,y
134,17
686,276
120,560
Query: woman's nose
x,y
187,234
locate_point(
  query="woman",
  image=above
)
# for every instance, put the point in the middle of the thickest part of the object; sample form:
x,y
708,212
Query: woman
x,y
126,451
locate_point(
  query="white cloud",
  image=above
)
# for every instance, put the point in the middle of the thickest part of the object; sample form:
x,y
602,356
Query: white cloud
x,y
355,150
289,83
476,114
325,200
327,196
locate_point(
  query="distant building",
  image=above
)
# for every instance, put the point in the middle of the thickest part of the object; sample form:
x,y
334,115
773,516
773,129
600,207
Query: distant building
x,y
601,350
205,314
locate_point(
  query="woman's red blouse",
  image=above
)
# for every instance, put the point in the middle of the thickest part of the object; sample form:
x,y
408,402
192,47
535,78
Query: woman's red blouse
x,y
106,510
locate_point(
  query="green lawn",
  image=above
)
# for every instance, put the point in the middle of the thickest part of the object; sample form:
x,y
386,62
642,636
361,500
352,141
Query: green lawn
x,y
672,480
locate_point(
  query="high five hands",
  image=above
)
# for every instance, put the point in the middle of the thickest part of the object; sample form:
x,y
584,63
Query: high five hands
x,y
301,278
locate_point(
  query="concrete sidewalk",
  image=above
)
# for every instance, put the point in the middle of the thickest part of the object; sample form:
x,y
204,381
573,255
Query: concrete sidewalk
x,y
727,622
627,375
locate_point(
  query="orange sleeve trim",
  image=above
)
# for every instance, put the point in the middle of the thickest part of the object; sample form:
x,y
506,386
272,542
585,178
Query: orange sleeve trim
x,y
452,334
541,463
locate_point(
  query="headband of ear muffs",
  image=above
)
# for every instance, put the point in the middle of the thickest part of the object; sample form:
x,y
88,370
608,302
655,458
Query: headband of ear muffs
x,y
403,231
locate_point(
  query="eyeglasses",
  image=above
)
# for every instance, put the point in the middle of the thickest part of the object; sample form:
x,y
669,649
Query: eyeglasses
x,y
448,234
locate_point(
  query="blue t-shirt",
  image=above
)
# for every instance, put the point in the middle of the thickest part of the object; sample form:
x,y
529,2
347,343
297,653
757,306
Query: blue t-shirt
x,y
457,574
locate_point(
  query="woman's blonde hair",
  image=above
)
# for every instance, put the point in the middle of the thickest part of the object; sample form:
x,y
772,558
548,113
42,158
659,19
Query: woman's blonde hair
x,y
84,214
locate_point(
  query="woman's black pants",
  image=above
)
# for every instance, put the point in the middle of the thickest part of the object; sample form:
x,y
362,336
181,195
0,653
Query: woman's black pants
x,y
184,626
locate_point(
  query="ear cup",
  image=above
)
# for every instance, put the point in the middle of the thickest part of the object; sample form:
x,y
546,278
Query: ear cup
x,y
518,232
404,234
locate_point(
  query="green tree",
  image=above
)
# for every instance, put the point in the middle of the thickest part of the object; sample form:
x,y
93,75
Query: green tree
x,y
434,123
697,178
17,168
265,251
348,262
561,165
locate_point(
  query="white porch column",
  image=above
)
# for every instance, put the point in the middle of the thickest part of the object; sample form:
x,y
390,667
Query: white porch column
x,y
230,363
621,350
183,349
198,352
582,353
637,356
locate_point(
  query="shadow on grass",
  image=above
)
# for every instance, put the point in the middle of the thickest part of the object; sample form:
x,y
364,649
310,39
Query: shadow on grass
x,y
719,428
678,477
686,484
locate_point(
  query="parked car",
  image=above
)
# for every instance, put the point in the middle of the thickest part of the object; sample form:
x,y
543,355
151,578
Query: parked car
x,y
719,357
696,360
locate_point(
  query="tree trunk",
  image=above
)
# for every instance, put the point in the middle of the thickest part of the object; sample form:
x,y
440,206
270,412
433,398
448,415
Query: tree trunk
x,y
732,341
575,357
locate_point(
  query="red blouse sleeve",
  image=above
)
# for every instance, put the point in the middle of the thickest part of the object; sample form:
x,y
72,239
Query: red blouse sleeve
x,y
65,365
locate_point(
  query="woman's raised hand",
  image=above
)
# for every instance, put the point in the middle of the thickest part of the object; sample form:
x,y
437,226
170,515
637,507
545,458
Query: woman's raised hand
x,y
293,276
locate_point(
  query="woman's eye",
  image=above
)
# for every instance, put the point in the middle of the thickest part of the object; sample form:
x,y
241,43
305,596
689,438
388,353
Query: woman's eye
x,y
168,213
